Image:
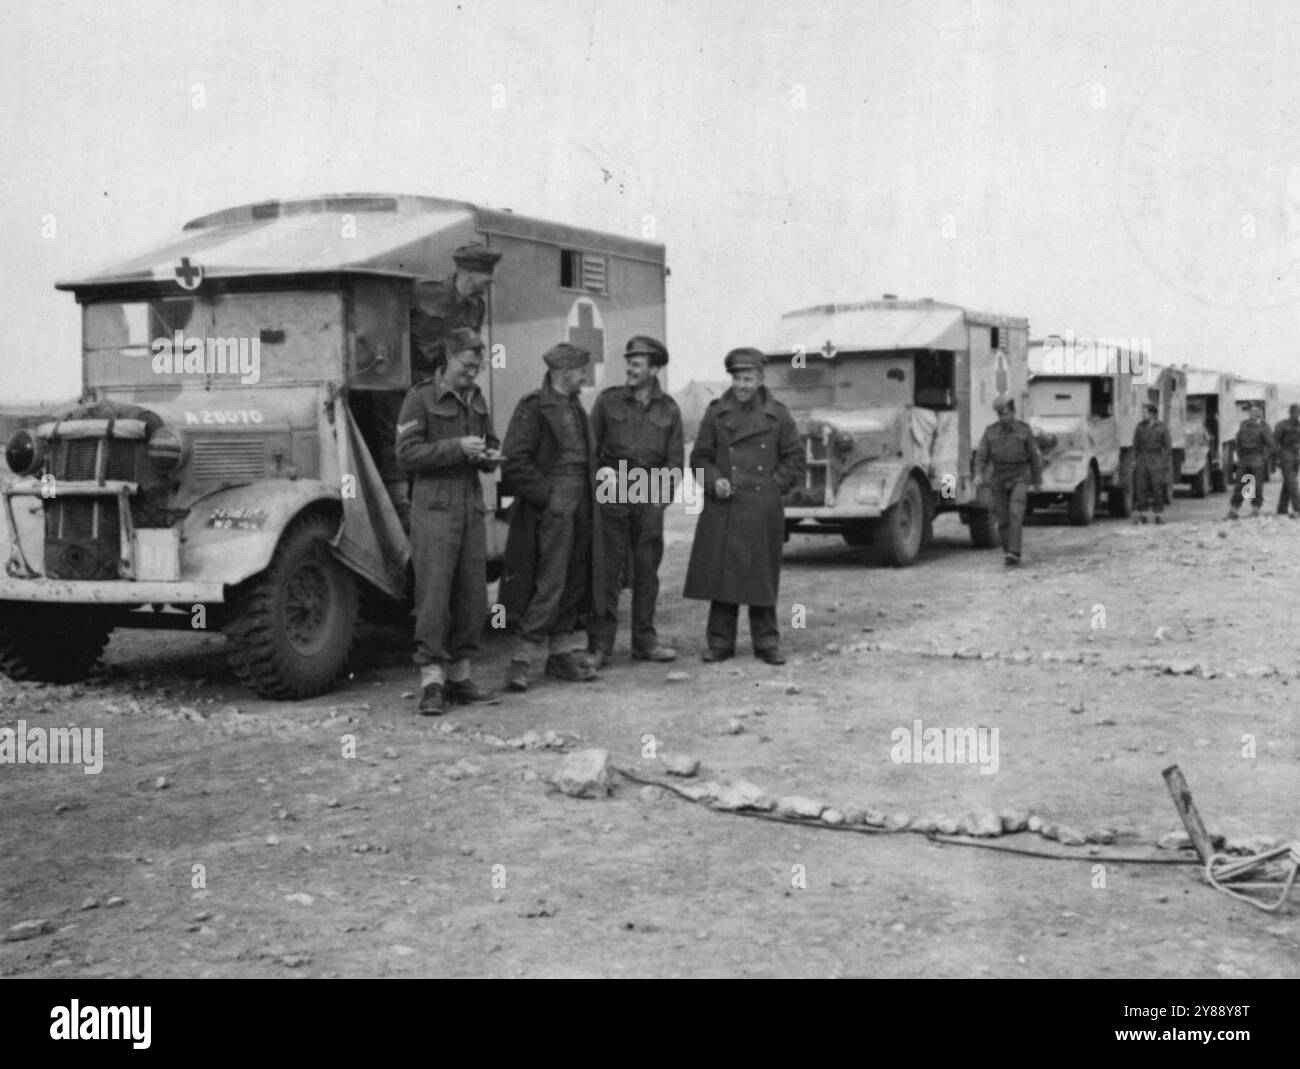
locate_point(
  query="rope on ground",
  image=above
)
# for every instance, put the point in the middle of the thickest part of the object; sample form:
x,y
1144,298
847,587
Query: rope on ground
x,y
935,837
1220,869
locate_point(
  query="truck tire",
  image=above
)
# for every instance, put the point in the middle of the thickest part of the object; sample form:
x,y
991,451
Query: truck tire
x,y
1083,502
983,528
50,644
289,629
1201,482
1119,501
903,527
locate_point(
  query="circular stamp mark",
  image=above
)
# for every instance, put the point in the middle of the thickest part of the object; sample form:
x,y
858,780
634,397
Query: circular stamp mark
x,y
1208,191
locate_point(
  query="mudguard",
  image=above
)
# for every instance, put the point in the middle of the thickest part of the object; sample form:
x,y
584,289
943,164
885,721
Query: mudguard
x,y
231,535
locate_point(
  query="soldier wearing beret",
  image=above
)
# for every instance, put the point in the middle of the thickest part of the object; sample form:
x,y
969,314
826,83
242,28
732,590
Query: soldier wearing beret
x,y
1009,462
440,307
445,438
1286,437
638,434
1152,464
749,450
552,561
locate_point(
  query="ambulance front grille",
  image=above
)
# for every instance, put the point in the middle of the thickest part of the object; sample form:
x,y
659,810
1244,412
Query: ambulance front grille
x,y
229,457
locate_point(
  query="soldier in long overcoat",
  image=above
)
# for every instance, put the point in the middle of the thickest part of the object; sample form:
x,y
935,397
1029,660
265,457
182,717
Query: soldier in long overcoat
x,y
552,559
749,453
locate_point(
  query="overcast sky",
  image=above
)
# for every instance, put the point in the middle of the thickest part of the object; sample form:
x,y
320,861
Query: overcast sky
x,y
1125,169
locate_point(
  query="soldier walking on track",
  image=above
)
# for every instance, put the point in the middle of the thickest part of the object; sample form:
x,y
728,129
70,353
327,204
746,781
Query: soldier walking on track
x,y
1286,436
445,438
552,561
750,453
1008,461
638,436
1254,447
1152,464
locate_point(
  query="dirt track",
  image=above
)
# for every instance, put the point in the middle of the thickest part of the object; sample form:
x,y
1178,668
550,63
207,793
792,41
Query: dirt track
x,y
397,847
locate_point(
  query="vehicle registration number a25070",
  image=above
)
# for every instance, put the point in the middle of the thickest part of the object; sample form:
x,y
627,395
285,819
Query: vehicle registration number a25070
x,y
224,416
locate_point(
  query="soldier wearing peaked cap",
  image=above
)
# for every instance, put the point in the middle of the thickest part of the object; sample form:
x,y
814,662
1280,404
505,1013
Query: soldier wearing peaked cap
x,y
1152,463
1286,438
1254,447
552,561
638,436
445,439
749,450
1009,462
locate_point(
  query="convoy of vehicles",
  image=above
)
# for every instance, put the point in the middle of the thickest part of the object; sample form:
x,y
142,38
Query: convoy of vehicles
x,y
215,470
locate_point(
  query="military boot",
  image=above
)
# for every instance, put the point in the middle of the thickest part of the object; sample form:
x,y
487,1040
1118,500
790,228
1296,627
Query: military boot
x,y
567,667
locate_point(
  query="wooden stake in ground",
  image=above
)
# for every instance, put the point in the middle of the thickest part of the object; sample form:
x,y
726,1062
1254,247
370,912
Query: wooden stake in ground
x,y
1182,796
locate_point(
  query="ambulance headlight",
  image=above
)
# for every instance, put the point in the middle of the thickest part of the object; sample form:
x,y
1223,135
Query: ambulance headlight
x,y
24,453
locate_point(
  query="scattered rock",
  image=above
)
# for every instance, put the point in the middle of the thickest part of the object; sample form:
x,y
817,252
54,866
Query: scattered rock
x,y
1068,836
1174,840
402,951
1104,836
408,695
948,825
649,795
301,897
897,821
1013,820
1180,668
677,677
681,765
734,727
28,930
1034,823
742,795
925,825
294,961
874,818
161,784
796,805
463,769
90,903
389,753
853,814
114,901
1049,830
984,824
832,816
583,774
793,688
272,840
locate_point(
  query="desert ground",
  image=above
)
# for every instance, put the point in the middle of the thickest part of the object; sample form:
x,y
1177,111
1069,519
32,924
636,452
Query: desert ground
x,y
231,836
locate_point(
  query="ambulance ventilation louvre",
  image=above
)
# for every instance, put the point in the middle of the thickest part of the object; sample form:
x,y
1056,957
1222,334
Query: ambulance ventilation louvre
x,y
229,458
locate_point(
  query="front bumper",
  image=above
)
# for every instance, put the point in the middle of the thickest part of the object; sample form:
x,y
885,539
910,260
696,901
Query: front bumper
x,y
110,592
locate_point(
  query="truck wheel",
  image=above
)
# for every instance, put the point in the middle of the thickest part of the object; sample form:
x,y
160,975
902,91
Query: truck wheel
x,y
983,528
1201,482
1119,502
1083,502
290,628
50,644
903,526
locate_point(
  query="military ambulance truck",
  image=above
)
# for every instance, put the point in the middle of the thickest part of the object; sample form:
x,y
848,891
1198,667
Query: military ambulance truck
x,y
214,472
1212,419
891,398
1083,407
1189,441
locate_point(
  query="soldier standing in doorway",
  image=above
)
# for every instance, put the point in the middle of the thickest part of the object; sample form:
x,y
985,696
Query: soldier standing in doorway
x,y
445,438
639,427
1152,462
1009,462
